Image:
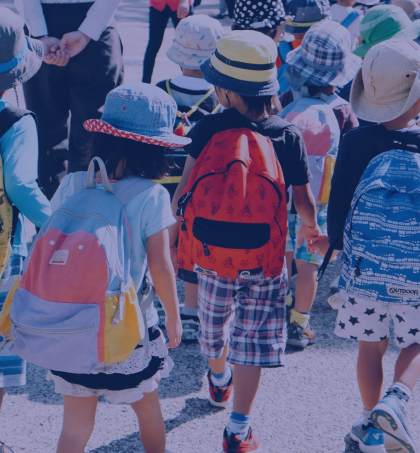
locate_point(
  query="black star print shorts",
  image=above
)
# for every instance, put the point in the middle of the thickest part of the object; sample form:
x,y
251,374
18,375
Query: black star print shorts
x,y
363,320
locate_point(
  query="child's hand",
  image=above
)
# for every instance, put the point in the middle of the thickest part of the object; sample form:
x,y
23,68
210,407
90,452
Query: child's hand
x,y
174,331
310,233
183,9
320,244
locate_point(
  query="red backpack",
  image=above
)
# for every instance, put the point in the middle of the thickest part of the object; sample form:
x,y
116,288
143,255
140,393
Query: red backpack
x,y
234,209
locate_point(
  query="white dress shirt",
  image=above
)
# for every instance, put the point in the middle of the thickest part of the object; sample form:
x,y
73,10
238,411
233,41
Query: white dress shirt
x,y
97,19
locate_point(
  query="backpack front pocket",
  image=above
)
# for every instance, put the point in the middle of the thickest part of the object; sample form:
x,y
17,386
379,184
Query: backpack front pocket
x,y
57,336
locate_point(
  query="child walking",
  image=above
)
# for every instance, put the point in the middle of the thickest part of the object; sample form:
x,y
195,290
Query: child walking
x,y
132,139
242,316
19,156
376,167
312,88
195,40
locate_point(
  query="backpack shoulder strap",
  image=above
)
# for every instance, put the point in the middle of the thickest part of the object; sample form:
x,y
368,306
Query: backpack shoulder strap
x,y
129,187
10,115
349,19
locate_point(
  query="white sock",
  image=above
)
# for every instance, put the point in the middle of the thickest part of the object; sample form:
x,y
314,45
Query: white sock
x,y
220,380
366,415
401,391
239,424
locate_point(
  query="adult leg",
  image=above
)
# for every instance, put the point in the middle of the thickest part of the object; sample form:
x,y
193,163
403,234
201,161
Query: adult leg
x,y
151,423
78,423
46,94
370,374
92,74
157,25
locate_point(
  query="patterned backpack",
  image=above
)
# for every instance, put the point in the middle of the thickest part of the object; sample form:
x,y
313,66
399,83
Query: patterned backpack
x,y
75,308
314,117
382,235
234,212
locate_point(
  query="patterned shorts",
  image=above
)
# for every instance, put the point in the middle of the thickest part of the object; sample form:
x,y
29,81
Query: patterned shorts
x,y
363,320
295,223
249,315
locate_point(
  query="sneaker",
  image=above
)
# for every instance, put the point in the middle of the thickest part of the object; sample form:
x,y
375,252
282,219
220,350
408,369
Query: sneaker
x,y
220,396
299,336
370,439
190,327
232,443
4,448
389,417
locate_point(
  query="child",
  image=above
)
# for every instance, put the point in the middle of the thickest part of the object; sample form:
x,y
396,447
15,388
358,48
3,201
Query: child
x,y
306,13
195,40
323,44
149,216
344,13
19,154
248,93
160,13
384,91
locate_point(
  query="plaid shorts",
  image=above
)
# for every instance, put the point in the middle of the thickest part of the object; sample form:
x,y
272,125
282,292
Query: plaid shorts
x,y
249,315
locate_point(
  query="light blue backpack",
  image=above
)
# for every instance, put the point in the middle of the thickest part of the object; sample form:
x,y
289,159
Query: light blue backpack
x,y
382,234
75,308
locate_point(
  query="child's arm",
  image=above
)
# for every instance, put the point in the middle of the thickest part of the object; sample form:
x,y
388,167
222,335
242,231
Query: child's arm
x,y
163,277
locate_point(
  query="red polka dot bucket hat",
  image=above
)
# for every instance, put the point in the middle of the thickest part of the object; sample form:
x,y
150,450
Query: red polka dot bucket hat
x,y
141,112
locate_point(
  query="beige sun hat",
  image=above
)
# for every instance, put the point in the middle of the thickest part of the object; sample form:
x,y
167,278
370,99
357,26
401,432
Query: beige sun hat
x,y
388,84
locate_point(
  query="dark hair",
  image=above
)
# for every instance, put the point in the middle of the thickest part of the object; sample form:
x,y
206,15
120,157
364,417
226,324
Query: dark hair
x,y
140,159
268,105
268,31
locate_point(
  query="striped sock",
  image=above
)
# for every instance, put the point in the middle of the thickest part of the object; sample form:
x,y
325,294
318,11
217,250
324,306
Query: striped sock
x,y
239,424
220,380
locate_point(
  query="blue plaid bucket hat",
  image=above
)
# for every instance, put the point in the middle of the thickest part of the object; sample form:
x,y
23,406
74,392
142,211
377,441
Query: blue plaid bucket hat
x,y
324,58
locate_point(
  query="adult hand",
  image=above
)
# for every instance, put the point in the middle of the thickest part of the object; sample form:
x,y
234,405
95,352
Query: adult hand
x,y
183,9
51,53
174,331
73,43
310,233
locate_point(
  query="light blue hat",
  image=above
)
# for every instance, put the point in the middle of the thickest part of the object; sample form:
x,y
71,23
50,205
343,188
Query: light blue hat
x,y
142,112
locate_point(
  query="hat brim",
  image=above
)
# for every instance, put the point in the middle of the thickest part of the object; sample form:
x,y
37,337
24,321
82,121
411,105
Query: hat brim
x,y
26,69
184,60
367,110
168,140
241,87
292,29
412,32
334,78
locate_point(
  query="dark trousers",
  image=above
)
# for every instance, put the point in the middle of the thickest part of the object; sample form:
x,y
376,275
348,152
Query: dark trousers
x,y
158,20
64,97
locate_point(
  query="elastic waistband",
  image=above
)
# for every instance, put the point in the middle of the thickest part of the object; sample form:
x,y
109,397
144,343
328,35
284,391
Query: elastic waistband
x,y
68,7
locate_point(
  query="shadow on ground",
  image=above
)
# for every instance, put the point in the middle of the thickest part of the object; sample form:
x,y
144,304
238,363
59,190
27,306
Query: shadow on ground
x,y
350,445
132,444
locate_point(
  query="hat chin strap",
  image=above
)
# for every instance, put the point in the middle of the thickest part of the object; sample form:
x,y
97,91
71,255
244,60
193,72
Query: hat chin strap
x,y
11,64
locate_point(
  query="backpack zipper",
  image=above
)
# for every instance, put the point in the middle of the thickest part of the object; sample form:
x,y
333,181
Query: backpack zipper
x,y
52,331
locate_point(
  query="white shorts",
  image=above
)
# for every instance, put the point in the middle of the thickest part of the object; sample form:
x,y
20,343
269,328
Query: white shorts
x,y
363,320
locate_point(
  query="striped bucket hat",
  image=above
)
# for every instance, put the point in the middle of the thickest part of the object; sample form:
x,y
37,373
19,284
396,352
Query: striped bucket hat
x,y
244,62
384,22
324,58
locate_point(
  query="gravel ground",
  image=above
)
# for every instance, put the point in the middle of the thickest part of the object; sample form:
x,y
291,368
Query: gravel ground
x,y
308,405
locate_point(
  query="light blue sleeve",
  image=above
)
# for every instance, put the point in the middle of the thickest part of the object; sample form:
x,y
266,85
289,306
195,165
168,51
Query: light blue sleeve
x,y
19,150
157,212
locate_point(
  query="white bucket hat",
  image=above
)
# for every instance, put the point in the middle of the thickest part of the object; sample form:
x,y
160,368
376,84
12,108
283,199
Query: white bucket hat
x,y
388,84
195,40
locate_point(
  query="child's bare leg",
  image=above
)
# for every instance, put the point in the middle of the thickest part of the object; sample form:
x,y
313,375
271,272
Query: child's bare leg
x,y
1,396
370,374
151,423
306,286
289,260
191,294
78,423
407,369
218,366
246,379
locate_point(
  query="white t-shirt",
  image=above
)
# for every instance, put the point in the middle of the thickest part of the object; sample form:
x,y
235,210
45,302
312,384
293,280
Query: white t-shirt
x,y
339,13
